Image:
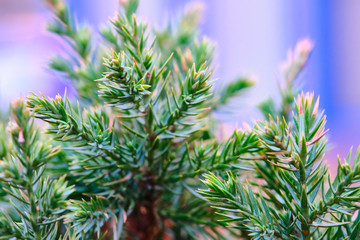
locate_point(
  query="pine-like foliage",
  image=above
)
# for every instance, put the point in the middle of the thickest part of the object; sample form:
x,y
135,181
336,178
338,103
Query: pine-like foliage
x,y
40,202
133,146
292,195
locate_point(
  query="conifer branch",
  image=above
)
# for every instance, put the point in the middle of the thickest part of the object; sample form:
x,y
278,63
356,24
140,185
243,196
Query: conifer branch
x,y
251,210
297,154
40,202
135,148
82,217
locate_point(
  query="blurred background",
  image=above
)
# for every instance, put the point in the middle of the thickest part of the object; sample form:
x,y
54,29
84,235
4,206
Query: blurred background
x,y
251,38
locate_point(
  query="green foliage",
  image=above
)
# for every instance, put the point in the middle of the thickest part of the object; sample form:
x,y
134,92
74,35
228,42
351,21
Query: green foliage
x,y
244,207
39,201
139,137
295,202
81,217
130,153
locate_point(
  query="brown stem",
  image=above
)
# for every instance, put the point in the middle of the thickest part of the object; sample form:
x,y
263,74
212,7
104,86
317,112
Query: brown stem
x,y
143,222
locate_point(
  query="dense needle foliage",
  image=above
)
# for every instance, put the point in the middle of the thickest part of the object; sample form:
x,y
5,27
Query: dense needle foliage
x,y
125,159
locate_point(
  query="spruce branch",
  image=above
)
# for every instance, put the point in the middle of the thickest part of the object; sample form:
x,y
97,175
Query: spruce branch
x,y
343,191
85,128
40,202
153,118
296,61
88,218
91,135
298,190
304,145
250,210
189,103
136,147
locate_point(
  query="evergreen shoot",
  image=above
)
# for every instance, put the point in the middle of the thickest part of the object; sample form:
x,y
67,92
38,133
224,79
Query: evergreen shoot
x,y
128,155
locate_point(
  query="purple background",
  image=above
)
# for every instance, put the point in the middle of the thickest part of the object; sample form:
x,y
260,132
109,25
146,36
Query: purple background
x,y
252,37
